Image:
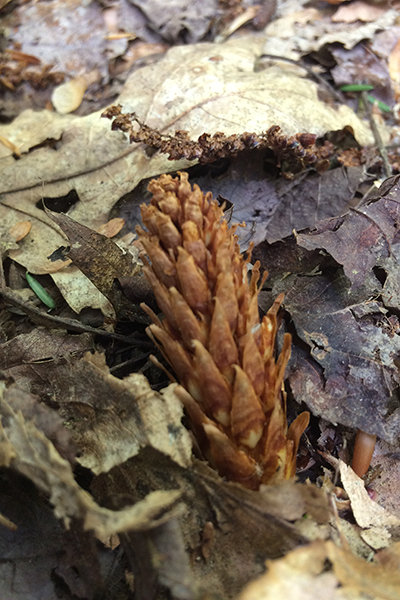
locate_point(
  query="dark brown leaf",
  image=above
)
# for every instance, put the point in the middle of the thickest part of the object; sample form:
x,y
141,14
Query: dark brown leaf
x,y
273,207
98,257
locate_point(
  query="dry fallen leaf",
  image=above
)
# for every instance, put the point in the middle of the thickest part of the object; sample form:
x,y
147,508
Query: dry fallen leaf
x,y
27,450
302,575
304,30
386,486
112,419
68,96
25,356
375,521
359,11
20,230
243,531
98,257
347,371
187,90
112,227
394,69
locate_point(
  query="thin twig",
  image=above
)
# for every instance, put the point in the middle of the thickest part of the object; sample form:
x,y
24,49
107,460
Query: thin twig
x,y
53,321
377,136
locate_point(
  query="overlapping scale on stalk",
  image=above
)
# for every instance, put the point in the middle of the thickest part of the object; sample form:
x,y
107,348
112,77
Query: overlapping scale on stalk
x,y
212,337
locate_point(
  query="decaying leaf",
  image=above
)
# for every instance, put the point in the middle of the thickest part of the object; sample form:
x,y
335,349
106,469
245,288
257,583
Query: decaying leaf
x,y
349,373
32,454
307,29
272,208
32,552
158,558
243,527
180,20
364,238
99,258
209,148
112,419
31,358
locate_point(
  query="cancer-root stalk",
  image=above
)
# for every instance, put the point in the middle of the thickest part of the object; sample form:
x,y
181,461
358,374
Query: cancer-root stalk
x,y
212,337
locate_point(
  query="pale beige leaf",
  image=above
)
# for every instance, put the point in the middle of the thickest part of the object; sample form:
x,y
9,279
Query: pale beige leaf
x,y
79,292
125,415
373,518
300,575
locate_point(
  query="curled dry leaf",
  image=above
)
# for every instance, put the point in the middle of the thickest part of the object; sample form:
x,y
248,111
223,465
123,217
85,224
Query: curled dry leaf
x,y
112,419
28,451
44,419
377,523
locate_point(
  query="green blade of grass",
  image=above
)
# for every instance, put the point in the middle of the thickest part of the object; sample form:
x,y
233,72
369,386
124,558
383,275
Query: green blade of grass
x,y
356,87
39,290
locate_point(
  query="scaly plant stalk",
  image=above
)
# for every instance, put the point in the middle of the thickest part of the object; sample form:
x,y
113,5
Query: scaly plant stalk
x,y
212,337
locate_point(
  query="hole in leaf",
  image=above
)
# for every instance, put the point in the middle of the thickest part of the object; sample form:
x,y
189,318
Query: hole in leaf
x,y
62,204
380,274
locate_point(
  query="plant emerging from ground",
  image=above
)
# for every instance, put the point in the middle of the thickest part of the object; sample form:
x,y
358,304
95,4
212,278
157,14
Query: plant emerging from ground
x,y
212,336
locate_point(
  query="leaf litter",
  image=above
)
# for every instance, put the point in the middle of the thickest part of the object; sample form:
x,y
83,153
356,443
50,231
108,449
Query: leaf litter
x,y
209,529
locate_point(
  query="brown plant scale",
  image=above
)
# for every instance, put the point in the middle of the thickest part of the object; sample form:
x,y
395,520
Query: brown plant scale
x,y
212,337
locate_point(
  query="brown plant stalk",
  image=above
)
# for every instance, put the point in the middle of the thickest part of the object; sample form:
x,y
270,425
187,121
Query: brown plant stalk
x,y
212,337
